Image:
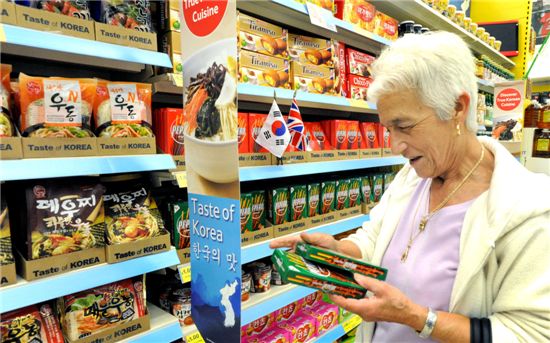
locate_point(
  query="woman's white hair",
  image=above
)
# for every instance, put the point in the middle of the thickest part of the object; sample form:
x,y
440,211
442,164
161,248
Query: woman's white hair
x,y
438,66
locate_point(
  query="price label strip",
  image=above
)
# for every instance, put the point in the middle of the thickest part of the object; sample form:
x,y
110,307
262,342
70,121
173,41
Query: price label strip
x,y
351,323
185,272
2,34
177,80
320,17
181,178
194,337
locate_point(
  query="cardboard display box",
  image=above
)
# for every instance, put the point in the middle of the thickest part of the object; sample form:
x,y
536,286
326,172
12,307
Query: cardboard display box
x,y
293,157
107,146
180,162
59,264
184,255
291,227
58,147
7,275
255,159
126,37
41,20
370,153
387,152
251,237
119,332
10,148
353,154
130,250
323,155
9,15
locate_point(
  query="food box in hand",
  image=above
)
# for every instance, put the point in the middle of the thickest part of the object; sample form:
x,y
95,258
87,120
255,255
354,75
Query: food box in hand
x,y
328,191
278,206
342,194
354,191
313,79
377,187
313,199
310,50
242,133
338,260
340,67
259,326
35,323
359,63
358,12
302,328
326,316
263,70
298,202
358,86
295,269
262,37
386,26
246,212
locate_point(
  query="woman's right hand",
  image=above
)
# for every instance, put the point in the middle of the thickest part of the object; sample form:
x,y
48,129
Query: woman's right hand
x,y
322,240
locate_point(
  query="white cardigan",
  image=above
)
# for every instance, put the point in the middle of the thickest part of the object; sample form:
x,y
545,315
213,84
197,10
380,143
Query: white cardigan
x,y
504,266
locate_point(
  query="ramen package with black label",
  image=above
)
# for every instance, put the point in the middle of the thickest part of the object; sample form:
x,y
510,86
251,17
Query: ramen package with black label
x,y
129,14
33,324
131,213
6,253
91,311
60,218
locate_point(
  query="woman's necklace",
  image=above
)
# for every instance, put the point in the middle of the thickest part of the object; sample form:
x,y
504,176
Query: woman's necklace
x,y
424,220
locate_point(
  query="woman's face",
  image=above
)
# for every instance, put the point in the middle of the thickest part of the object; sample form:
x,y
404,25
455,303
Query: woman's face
x,y
417,133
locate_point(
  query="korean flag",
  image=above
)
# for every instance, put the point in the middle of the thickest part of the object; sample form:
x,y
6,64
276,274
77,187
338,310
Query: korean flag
x,y
274,135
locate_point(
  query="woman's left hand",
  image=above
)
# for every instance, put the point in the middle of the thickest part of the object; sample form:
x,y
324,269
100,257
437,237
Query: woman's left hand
x,y
388,304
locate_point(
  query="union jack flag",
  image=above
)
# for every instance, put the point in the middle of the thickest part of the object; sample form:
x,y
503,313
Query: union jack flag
x,y
296,128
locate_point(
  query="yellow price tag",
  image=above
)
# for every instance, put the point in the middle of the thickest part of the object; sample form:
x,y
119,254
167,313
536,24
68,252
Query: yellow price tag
x,y
195,337
181,178
359,103
2,34
351,323
177,79
185,272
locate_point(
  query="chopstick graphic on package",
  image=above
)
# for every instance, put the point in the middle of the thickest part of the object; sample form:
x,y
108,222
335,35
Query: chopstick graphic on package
x,y
340,261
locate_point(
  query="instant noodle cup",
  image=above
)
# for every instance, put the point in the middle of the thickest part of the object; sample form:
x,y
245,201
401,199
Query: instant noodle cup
x,y
466,23
498,44
246,286
56,107
459,18
473,28
451,12
492,41
181,305
485,37
123,109
479,32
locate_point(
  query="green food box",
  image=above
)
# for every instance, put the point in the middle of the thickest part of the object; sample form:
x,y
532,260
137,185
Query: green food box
x,y
377,187
258,210
295,269
298,202
328,189
341,261
342,194
354,191
313,195
366,189
278,206
388,178
180,216
246,212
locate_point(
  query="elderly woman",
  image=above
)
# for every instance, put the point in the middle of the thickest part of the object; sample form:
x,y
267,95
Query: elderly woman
x,y
464,229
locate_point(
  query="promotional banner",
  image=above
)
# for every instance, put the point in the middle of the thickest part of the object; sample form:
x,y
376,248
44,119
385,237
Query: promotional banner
x,y
508,106
209,60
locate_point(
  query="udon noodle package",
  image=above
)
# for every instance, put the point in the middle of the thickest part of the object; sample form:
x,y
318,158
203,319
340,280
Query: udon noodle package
x,y
131,213
130,14
56,107
73,8
33,324
7,128
123,109
91,311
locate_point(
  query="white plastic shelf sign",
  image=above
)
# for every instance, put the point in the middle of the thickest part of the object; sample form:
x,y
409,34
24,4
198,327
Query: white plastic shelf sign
x,y
320,17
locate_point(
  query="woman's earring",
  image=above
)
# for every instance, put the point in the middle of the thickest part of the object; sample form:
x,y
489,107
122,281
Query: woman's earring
x,y
458,129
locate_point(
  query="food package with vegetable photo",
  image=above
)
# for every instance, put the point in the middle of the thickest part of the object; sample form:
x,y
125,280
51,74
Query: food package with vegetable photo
x,y
98,309
56,107
73,8
6,253
32,324
260,36
262,70
129,14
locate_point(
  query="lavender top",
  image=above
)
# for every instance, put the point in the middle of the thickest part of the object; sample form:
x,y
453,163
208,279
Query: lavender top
x,y
428,275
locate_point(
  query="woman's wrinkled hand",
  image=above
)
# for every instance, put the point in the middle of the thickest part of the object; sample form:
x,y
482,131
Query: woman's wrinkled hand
x,y
322,240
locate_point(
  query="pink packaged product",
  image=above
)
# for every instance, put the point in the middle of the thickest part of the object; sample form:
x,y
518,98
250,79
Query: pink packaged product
x,y
274,335
359,62
326,316
288,312
302,328
258,327
311,300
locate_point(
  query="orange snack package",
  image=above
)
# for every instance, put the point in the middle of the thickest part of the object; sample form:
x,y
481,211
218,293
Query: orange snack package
x,y
7,128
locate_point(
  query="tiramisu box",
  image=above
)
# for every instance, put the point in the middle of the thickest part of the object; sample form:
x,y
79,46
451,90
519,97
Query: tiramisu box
x,y
310,50
260,36
311,78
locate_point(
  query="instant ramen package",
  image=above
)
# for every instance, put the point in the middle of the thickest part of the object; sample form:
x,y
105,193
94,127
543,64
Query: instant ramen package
x,y
123,109
7,128
56,107
60,218
131,213
74,8
6,253
35,323
91,311
129,14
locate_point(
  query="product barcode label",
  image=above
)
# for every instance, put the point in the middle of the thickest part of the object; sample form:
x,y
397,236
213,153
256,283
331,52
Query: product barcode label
x,y
62,102
125,105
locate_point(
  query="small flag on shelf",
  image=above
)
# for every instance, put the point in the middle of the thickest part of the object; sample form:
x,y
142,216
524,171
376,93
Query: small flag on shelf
x,y
298,137
274,135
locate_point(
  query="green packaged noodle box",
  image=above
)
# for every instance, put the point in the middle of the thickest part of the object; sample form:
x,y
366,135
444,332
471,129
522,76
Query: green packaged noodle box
x,y
181,223
258,210
341,261
298,202
342,194
295,269
246,212
313,196
388,178
328,191
377,187
278,206
354,191
366,189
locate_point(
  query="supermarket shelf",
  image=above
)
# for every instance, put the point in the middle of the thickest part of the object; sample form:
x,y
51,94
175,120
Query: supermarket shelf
x,y
164,327
486,86
262,94
339,330
42,168
259,250
25,293
261,304
55,47
423,14
272,172
293,14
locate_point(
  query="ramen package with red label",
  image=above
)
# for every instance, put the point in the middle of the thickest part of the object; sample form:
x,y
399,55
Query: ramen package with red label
x,y
91,311
123,109
56,107
168,128
35,323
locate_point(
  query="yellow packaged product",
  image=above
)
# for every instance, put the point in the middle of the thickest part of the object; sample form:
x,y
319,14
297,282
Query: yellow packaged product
x,y
262,70
313,79
260,36
310,50
386,26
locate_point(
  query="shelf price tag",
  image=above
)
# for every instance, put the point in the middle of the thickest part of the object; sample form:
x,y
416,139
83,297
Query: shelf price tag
x,y
359,103
320,17
2,34
177,80
181,178
351,323
185,272
195,337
